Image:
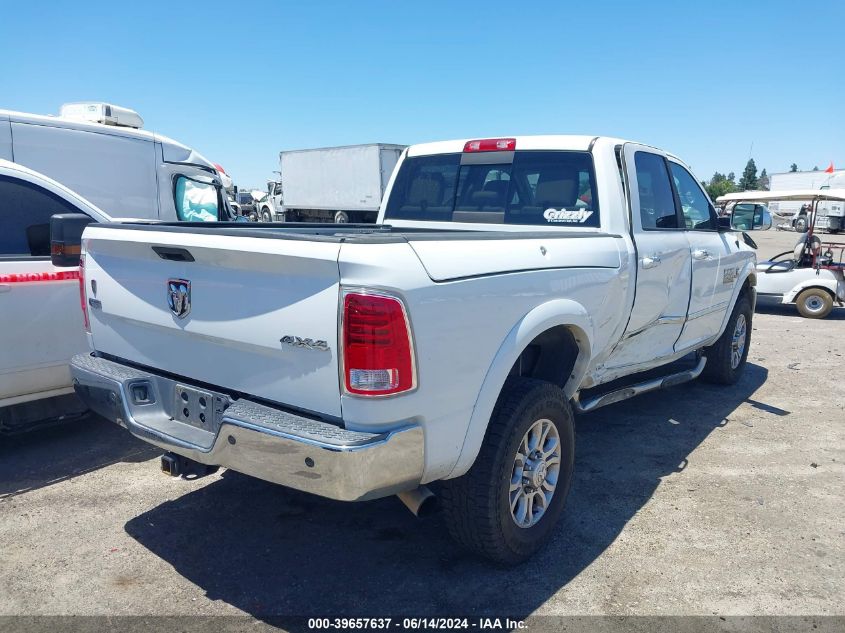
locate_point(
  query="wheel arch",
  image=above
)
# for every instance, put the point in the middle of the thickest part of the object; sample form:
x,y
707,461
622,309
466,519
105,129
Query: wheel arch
x,y
563,331
792,295
747,287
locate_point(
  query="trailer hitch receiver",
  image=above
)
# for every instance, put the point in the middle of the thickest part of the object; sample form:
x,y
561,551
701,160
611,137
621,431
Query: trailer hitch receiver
x,y
178,466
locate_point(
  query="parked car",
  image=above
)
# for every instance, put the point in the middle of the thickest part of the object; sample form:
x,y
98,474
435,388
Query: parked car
x,y
97,150
509,283
246,202
41,325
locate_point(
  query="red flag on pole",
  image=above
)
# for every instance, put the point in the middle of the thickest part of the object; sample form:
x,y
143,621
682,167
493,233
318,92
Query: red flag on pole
x,y
829,169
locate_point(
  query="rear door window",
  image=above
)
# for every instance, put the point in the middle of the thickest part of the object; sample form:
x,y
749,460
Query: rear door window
x,y
25,211
545,188
657,200
196,201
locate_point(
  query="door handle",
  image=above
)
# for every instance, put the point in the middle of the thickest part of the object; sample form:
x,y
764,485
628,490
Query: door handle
x,y
701,253
651,261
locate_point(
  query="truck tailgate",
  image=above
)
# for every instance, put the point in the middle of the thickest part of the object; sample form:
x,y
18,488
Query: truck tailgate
x,y
253,303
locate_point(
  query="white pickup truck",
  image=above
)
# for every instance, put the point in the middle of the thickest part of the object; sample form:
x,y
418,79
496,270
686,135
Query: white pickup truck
x,y
508,282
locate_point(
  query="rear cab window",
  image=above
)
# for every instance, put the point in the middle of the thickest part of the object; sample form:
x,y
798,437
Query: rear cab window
x,y
528,187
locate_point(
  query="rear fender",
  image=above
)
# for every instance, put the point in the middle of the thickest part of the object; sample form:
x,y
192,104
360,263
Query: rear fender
x,y
544,317
831,285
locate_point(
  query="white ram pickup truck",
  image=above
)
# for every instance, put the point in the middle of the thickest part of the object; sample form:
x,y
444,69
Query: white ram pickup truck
x,y
508,282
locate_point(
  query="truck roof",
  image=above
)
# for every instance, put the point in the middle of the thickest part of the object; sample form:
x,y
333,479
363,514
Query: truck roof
x,y
530,142
571,142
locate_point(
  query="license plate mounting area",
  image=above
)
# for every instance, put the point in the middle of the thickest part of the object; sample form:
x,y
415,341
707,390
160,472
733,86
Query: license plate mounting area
x,y
198,408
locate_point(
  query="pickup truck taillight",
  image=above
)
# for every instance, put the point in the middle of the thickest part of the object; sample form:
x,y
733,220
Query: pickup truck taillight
x,y
83,300
378,357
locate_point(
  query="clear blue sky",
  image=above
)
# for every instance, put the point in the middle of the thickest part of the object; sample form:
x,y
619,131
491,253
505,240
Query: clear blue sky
x,y
241,80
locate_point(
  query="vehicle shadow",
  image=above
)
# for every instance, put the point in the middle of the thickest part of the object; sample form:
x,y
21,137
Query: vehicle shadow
x,y
280,555
780,309
38,458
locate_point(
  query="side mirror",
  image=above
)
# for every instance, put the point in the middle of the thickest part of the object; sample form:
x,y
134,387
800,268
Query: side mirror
x,y
751,218
66,238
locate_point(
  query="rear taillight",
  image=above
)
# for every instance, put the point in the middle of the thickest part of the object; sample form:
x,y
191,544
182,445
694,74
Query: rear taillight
x,y
491,145
378,358
83,300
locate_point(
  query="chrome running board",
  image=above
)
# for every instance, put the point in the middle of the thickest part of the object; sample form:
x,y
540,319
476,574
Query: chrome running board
x,y
652,384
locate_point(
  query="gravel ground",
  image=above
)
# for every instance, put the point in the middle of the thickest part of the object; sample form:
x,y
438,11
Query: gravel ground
x,y
699,500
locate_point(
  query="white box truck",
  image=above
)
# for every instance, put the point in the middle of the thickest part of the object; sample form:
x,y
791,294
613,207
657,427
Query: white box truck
x,y
332,184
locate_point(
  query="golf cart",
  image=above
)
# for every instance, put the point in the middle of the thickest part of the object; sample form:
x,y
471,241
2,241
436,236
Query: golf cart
x,y
811,274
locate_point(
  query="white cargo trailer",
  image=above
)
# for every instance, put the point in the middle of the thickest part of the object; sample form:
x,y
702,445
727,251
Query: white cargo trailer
x,y
335,184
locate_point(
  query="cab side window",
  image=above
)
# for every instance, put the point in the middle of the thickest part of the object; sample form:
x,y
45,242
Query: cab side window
x,y
695,207
657,201
25,211
196,201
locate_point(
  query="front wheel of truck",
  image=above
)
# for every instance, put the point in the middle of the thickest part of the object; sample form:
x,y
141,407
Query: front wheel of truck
x,y
508,503
726,357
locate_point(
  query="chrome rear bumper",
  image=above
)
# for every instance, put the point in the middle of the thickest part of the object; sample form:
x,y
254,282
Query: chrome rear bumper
x,y
275,445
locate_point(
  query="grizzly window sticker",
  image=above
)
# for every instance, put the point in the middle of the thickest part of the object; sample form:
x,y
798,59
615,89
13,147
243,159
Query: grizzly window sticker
x,y
578,216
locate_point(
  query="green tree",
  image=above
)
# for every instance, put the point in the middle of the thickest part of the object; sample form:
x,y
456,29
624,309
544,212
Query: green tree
x,y
749,181
719,185
793,167
763,183
816,168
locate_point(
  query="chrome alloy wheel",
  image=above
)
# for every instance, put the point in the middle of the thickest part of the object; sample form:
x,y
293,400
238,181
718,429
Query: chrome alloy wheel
x,y
738,341
535,473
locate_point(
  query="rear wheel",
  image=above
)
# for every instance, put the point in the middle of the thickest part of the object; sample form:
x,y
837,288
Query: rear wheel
x,y
341,217
507,505
814,303
726,357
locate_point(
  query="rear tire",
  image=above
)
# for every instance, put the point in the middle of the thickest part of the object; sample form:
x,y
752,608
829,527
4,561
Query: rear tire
x,y
341,217
510,482
726,357
814,303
